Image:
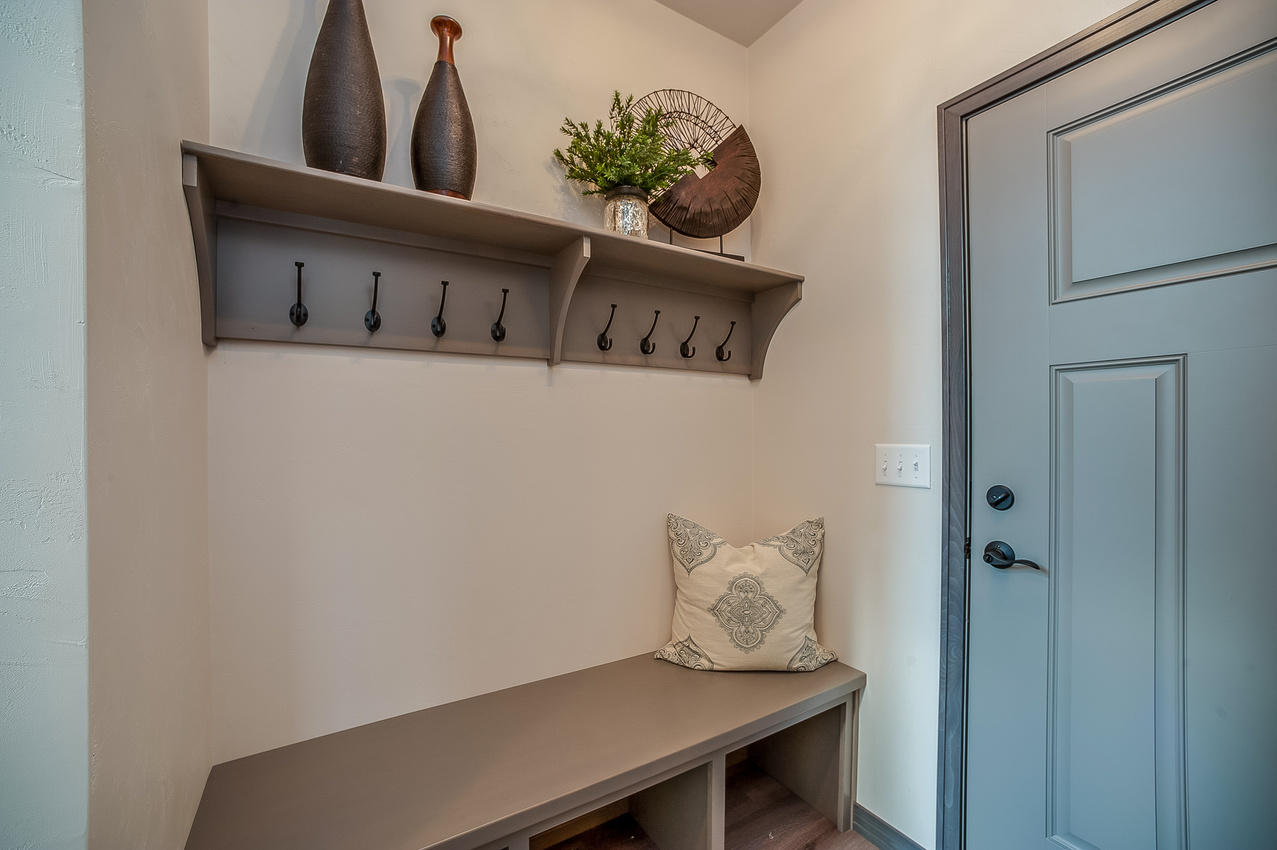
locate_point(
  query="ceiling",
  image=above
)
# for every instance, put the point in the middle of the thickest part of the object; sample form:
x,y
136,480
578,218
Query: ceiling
x,y
743,21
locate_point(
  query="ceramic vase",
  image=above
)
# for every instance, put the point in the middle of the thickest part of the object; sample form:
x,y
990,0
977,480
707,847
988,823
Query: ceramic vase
x,y
625,211
444,151
343,113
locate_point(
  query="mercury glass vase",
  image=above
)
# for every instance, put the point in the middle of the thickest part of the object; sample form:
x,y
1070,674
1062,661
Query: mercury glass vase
x,y
625,211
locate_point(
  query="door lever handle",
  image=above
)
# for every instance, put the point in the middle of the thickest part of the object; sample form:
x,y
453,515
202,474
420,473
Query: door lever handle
x,y
1002,556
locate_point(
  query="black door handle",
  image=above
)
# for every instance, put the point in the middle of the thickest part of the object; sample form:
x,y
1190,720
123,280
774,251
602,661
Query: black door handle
x,y
1002,556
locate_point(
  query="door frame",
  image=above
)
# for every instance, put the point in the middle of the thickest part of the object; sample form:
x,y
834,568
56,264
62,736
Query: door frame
x,y
1121,28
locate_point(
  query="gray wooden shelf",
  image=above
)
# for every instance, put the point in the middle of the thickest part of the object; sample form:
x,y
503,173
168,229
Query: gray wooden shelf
x,y
251,218
503,770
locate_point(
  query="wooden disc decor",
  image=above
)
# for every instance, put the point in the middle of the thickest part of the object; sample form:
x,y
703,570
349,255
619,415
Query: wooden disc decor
x,y
719,201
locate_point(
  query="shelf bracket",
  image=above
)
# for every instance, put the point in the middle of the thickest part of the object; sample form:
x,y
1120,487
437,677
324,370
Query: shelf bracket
x,y
199,204
770,306
564,274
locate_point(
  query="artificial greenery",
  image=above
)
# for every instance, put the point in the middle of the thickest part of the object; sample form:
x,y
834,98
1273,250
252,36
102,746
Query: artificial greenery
x,y
631,153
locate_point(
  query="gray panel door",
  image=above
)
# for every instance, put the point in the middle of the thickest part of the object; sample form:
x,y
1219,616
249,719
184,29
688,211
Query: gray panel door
x,y
1123,267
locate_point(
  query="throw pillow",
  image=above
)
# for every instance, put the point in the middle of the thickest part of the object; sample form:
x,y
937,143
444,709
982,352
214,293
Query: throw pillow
x,y
748,608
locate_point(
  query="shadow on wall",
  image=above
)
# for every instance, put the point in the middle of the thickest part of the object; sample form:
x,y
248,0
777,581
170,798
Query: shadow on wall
x,y
568,200
403,96
284,87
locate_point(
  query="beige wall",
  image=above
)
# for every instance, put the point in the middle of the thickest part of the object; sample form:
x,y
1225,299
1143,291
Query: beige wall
x,y
44,679
524,66
146,80
391,531
388,531
843,101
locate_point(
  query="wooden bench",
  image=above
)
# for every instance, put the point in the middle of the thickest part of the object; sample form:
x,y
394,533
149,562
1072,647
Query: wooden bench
x,y
509,769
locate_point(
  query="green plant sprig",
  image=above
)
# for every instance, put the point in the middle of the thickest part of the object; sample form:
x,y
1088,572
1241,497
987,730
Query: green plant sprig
x,y
631,152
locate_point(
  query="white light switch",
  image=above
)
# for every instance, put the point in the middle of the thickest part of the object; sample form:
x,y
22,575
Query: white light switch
x,y
902,466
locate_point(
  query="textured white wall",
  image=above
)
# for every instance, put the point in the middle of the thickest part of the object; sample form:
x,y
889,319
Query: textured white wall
x,y
44,755
146,84
843,103
390,531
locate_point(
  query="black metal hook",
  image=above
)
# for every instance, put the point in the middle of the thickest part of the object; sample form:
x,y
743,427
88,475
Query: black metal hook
x,y
437,324
298,314
498,329
605,342
689,351
646,345
372,319
718,352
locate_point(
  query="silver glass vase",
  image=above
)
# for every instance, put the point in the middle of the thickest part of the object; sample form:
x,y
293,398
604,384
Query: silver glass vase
x,y
626,211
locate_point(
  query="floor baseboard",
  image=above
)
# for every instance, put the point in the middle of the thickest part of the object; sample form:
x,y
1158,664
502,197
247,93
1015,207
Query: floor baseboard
x,y
882,834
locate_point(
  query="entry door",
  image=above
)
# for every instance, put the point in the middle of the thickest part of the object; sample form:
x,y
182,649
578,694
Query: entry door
x,y
1123,327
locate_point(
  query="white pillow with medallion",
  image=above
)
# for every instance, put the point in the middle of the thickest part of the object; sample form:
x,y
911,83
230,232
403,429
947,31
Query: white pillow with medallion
x,y
749,608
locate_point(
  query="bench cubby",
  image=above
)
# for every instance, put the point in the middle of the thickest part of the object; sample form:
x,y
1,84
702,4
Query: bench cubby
x,y
674,814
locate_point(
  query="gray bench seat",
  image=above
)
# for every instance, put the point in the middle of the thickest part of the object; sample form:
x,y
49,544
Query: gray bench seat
x,y
494,770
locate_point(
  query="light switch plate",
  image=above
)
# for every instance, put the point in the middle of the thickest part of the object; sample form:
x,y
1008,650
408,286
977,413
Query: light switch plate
x,y
902,465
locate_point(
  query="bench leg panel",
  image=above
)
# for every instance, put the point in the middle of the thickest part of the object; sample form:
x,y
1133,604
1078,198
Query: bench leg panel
x,y
678,813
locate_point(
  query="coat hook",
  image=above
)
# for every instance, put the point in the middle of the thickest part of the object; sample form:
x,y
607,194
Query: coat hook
x,y
604,341
298,314
689,351
437,324
372,319
646,345
498,329
718,352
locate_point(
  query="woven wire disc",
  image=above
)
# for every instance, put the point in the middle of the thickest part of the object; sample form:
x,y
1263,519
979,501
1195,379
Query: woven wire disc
x,y
689,120
719,201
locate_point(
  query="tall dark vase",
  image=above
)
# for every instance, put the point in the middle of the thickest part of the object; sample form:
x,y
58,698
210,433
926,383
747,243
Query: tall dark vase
x,y
343,114
444,151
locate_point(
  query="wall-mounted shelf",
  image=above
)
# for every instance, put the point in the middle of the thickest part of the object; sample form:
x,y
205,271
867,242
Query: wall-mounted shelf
x,y
252,219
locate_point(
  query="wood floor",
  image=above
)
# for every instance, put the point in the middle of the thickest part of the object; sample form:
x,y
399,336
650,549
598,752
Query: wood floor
x,y
761,815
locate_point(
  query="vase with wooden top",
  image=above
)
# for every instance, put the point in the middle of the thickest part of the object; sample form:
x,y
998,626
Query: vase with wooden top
x,y
444,151
343,112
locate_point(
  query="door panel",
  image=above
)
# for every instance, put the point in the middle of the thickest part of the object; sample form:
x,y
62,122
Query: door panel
x,y
1122,697
1173,185
1116,594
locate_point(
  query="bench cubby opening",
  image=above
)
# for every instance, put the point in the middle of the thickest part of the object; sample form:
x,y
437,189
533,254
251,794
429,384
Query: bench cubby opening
x,y
792,787
676,814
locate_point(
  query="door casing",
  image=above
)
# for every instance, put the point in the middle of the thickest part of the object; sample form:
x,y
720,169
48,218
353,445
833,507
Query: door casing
x,y
1123,27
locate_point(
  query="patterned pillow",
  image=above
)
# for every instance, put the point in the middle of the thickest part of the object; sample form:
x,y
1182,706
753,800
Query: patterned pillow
x,y
745,609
